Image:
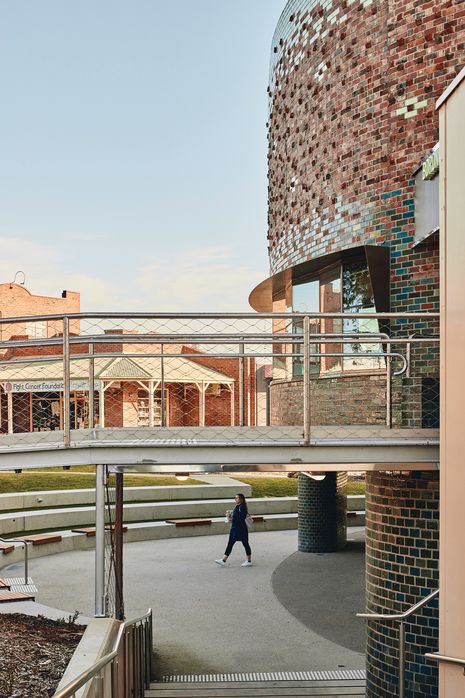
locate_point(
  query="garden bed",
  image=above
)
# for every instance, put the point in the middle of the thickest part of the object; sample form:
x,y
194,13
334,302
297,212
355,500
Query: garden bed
x,y
34,653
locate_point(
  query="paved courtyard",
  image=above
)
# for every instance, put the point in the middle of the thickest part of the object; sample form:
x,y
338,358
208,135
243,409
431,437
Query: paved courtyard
x,y
291,611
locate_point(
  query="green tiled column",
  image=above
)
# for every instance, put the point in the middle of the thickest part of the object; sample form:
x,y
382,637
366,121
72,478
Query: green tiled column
x,y
322,513
402,561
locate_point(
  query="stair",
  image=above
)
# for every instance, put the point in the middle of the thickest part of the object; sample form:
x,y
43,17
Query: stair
x,y
337,684
14,589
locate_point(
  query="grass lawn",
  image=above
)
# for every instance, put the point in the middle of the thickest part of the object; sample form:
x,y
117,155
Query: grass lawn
x,y
286,486
64,480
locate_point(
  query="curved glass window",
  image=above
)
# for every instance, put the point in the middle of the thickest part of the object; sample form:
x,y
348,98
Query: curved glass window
x,y
342,288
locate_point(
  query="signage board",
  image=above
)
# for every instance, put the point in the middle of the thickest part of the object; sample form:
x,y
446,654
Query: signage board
x,y
50,386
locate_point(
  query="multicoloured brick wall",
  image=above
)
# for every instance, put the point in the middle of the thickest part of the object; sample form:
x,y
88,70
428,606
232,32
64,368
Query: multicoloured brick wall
x,y
402,551
357,399
352,90
322,513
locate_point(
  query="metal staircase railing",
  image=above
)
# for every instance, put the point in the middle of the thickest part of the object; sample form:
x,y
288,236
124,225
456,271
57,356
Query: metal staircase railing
x,y
401,618
126,670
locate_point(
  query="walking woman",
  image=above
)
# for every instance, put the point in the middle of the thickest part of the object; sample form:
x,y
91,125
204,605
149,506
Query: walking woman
x,y
238,532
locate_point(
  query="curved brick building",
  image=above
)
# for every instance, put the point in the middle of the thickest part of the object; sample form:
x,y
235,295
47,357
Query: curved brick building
x,y
353,225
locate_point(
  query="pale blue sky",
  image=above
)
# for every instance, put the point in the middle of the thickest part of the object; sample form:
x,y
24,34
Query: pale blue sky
x,y
133,149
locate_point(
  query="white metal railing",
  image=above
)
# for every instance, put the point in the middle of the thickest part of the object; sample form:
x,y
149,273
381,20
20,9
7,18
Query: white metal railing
x,y
125,671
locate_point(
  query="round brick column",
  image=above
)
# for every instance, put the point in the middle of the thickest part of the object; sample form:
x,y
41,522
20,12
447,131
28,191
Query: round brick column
x,y
402,567
322,513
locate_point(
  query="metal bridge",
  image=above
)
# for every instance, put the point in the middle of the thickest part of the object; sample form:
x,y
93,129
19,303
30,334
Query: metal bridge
x,y
220,392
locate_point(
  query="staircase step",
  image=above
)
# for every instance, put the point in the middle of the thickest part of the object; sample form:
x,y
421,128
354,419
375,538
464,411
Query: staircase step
x,y
273,684
356,689
17,584
6,596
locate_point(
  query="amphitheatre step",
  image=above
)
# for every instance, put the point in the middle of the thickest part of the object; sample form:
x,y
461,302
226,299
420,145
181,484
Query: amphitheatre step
x,y
4,585
84,517
81,497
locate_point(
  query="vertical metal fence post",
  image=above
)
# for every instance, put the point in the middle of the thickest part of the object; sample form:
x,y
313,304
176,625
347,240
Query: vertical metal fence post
x,y
118,541
241,385
162,376
66,384
91,385
388,387
100,541
150,631
402,659
26,563
307,385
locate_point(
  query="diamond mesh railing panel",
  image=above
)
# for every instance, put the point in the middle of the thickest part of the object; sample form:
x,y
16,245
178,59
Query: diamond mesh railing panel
x,y
213,378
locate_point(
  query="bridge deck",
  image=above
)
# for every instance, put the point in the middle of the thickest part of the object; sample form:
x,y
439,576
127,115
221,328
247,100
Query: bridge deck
x,y
211,449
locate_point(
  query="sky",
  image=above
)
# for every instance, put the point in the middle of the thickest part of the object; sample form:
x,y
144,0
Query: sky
x,y
133,150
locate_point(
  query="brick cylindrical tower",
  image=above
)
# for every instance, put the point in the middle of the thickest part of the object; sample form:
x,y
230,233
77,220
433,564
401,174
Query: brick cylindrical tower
x,y
402,550
353,226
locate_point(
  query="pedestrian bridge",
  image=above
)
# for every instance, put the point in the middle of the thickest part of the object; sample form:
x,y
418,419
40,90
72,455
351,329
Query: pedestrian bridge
x,y
196,393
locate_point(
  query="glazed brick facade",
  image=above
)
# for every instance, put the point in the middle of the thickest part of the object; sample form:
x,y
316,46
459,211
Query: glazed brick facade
x,y
402,550
353,85
322,513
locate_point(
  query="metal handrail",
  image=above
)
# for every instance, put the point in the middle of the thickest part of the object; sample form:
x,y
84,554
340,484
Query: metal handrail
x,y
436,657
92,672
26,554
217,316
401,618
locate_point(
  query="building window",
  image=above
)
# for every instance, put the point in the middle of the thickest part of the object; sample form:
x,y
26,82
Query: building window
x,y
342,288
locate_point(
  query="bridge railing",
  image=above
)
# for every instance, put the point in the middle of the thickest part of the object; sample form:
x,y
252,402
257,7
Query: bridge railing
x,y
216,377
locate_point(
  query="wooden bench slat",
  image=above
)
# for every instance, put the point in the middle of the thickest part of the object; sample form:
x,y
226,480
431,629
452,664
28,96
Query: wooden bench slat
x,y
16,596
189,522
43,539
6,548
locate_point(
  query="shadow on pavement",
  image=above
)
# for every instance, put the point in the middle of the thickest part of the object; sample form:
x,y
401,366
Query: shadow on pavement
x,y
325,591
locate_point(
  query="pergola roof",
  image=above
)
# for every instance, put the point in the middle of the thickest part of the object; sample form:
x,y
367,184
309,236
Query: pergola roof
x,y
175,370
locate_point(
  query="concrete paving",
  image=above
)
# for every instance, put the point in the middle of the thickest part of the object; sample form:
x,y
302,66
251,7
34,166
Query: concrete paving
x,y
209,619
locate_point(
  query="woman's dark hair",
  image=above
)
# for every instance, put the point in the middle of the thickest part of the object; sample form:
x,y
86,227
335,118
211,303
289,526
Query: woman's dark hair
x,y
243,501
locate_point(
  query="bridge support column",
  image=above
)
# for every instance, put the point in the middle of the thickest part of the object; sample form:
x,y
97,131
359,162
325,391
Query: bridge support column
x,y
402,551
100,476
322,513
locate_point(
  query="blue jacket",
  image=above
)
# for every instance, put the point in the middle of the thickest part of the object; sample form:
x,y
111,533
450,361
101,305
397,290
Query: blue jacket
x,y
239,530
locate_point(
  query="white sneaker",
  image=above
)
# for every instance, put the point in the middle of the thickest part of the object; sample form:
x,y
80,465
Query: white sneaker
x,y
247,563
221,563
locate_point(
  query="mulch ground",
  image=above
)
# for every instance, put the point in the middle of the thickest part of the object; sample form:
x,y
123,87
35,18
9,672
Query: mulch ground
x,y
34,653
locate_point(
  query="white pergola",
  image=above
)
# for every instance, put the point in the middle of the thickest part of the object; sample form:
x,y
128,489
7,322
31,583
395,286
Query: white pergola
x,y
149,373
